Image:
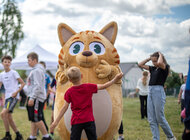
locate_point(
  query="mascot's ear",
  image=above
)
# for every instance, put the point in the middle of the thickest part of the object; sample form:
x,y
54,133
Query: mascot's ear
x,y
65,32
110,31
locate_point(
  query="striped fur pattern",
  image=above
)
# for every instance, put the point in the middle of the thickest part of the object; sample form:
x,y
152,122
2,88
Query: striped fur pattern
x,y
110,56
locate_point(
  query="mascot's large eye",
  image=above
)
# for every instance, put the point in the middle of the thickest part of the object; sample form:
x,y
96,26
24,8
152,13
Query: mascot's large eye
x,y
76,48
97,48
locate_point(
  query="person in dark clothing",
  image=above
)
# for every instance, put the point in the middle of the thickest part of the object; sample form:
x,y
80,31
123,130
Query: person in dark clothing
x,y
181,95
53,84
47,88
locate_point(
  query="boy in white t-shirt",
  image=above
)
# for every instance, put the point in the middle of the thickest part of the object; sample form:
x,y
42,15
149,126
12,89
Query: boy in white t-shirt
x,y
10,78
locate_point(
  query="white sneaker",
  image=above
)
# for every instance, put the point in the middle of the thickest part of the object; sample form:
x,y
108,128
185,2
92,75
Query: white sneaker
x,y
174,138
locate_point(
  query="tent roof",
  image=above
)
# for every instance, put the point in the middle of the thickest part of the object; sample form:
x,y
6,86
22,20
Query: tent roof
x,y
126,67
21,63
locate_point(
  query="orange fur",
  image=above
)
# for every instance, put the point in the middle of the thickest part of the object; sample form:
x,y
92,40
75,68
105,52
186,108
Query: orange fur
x,y
98,67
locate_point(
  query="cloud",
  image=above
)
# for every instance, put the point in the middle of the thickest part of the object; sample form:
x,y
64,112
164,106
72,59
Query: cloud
x,y
57,10
174,35
138,26
173,3
145,7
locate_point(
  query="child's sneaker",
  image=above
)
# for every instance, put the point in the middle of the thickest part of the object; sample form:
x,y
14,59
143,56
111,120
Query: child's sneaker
x,y
19,137
49,138
7,138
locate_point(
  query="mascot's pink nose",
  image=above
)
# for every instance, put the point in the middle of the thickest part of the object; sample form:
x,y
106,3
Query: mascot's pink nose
x,y
87,53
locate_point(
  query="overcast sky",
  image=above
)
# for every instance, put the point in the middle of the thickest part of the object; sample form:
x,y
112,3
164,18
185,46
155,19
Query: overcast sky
x,y
144,26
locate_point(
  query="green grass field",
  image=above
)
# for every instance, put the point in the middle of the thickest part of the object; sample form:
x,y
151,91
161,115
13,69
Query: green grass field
x,y
134,127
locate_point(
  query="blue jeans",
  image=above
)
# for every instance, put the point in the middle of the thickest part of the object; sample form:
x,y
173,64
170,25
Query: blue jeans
x,y
155,107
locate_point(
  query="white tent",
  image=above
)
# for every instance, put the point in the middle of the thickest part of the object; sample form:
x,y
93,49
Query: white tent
x,y
21,63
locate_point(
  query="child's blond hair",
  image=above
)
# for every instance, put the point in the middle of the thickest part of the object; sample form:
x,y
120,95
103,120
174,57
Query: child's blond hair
x,y
145,78
74,74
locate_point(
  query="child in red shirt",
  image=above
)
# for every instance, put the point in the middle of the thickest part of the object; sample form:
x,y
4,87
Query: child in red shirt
x,y
80,97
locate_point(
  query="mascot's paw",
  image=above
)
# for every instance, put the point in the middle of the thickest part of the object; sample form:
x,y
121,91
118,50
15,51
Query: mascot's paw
x,y
61,77
114,71
103,70
61,74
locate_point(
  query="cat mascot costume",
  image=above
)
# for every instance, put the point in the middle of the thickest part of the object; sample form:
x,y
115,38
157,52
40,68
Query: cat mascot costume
x,y
94,53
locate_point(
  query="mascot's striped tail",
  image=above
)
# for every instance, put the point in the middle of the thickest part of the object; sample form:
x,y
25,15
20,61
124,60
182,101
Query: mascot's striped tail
x,y
187,100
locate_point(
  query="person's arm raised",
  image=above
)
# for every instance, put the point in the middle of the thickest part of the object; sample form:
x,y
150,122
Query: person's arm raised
x,y
142,64
109,83
160,62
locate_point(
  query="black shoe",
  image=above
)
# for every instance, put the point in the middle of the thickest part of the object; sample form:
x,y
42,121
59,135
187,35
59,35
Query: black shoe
x,y
19,137
7,138
49,138
31,139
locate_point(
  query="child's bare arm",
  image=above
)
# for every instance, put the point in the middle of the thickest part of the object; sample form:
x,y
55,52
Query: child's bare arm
x,y
179,96
114,80
21,87
62,112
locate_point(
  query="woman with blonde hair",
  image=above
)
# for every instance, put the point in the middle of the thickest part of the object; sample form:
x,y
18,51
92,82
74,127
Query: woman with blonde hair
x,y
142,89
